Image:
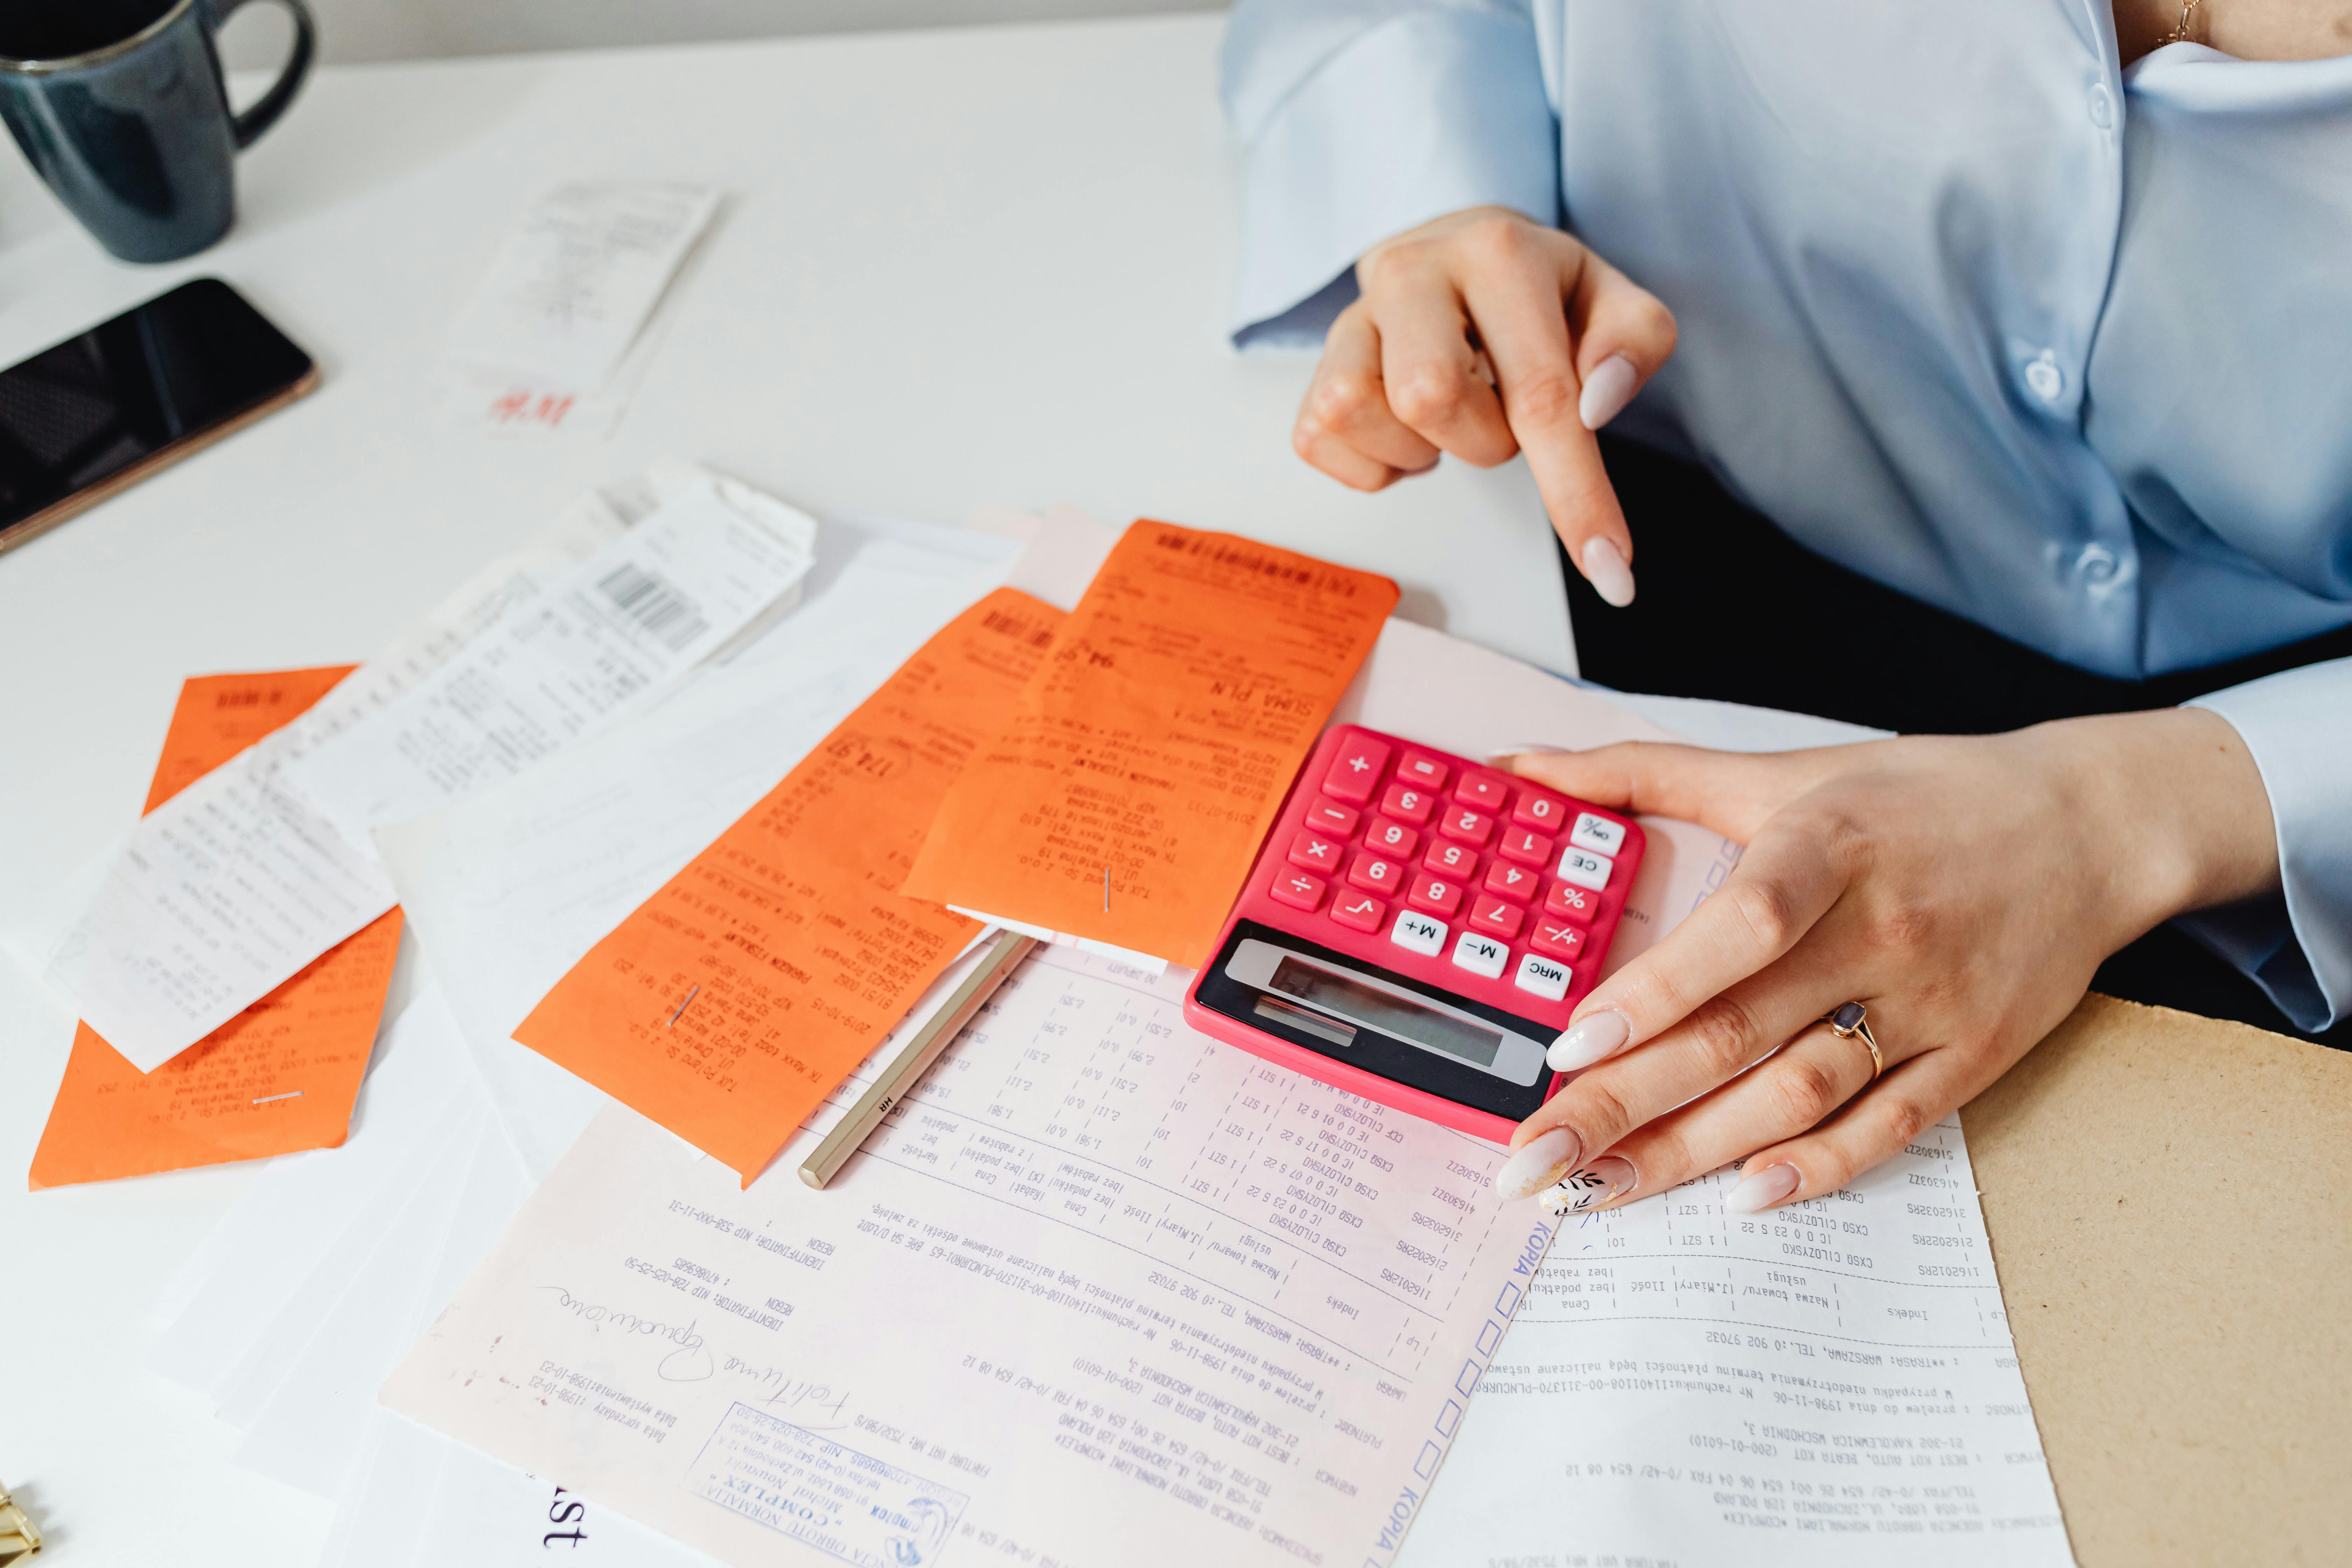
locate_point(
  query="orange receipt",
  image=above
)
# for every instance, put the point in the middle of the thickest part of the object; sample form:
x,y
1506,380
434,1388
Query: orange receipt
x,y
280,1077
729,1004
1126,798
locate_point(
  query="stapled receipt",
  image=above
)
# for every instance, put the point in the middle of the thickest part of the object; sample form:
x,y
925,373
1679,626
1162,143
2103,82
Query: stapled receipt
x,y
244,877
280,1076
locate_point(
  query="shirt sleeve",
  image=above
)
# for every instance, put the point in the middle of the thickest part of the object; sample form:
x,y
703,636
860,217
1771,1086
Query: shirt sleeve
x,y
2296,947
1361,119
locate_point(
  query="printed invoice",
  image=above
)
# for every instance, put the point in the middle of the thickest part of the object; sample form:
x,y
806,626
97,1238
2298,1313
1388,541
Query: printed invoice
x,y
245,877
1102,1292
1831,1383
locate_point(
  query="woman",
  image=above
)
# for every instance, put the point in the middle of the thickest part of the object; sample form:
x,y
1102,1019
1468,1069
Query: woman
x,y
2034,320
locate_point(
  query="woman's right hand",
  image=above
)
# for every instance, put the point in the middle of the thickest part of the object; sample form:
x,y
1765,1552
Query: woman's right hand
x,y
1486,334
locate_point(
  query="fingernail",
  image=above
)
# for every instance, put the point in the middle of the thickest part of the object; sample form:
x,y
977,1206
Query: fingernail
x,y
1588,1040
1605,569
1544,1160
1762,1189
1610,1176
1606,390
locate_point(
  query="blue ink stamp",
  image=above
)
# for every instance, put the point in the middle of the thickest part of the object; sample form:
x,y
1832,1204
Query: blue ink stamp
x,y
848,1505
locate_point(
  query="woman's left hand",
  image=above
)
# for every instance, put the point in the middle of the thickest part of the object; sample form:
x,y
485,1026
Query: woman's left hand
x,y
1963,889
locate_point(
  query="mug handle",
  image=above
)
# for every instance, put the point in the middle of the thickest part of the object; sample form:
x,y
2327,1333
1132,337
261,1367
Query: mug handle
x,y
245,128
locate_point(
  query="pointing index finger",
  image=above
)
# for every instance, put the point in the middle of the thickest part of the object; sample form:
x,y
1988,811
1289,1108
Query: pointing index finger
x,y
1521,316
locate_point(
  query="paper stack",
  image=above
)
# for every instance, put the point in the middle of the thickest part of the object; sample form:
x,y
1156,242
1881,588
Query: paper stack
x,y
1102,1289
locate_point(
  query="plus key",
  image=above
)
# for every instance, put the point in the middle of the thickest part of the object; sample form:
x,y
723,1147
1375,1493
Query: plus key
x,y
1356,770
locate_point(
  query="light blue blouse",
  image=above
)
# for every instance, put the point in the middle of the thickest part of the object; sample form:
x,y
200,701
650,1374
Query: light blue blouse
x,y
1964,305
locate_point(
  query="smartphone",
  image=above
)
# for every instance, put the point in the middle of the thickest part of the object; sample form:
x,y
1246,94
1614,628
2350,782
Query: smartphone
x,y
131,397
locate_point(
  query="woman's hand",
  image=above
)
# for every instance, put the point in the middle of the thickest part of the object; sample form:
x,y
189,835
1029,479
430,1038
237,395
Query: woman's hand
x,y
1484,335
1962,889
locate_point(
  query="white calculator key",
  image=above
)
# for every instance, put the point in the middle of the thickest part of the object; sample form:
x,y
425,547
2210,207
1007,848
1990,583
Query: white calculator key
x,y
1420,933
1546,977
1481,954
1597,834
1585,868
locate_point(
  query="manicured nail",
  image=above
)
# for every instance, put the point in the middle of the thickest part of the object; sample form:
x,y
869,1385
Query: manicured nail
x,y
1605,569
1762,1189
1606,390
1544,1160
1610,1176
1588,1040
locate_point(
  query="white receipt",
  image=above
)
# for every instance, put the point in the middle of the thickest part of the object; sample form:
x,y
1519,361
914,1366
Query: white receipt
x,y
235,884
1831,1383
507,889
603,641
575,281
1102,1290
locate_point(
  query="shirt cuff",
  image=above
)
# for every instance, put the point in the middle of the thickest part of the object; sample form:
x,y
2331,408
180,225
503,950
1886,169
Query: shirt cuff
x,y
1423,115
2298,946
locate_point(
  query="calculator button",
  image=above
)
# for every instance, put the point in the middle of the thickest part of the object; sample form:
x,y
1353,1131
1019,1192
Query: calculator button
x,y
1439,895
1420,768
1464,825
1456,860
1298,889
1557,937
1481,954
1486,791
1544,813
1391,837
1498,916
1420,933
1360,910
1314,852
1376,873
1570,902
1585,868
1356,770
1514,882
1408,804
1548,978
1597,834
1524,845
1330,816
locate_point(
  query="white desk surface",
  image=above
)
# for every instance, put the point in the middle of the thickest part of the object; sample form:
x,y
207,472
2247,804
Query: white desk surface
x,y
954,269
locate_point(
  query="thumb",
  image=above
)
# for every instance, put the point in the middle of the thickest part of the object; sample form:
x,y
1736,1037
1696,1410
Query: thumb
x,y
1730,792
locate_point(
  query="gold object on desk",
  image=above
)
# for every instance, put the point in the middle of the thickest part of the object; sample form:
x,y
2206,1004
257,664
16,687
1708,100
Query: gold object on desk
x,y
899,1076
20,1538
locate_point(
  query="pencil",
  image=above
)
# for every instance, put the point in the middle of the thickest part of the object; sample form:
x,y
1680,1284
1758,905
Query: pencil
x,y
899,1076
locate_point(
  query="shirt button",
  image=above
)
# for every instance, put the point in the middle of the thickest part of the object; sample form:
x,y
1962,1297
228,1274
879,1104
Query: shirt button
x,y
2096,564
2102,106
2043,377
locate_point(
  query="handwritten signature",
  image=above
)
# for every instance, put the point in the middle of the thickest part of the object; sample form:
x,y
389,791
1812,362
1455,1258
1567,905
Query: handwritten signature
x,y
689,1362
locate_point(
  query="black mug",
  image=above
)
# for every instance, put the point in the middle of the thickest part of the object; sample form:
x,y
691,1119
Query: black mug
x,y
118,105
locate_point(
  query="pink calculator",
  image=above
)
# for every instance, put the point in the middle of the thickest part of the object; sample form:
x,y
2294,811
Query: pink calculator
x,y
1418,929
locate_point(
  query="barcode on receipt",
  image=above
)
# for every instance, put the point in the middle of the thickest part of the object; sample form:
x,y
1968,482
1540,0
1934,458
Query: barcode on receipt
x,y
653,601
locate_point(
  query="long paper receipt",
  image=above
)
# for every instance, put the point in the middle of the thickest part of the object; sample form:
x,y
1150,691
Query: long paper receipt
x,y
1147,759
1103,1293
280,1076
728,1003
239,881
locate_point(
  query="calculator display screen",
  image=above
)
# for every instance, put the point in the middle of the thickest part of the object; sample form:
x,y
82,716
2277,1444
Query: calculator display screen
x,y
1378,1010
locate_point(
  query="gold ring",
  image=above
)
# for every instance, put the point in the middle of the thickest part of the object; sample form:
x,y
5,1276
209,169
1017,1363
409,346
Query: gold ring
x,y
1851,1021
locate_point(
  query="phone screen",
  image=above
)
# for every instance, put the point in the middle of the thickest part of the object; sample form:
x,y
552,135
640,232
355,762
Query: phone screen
x,y
74,416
